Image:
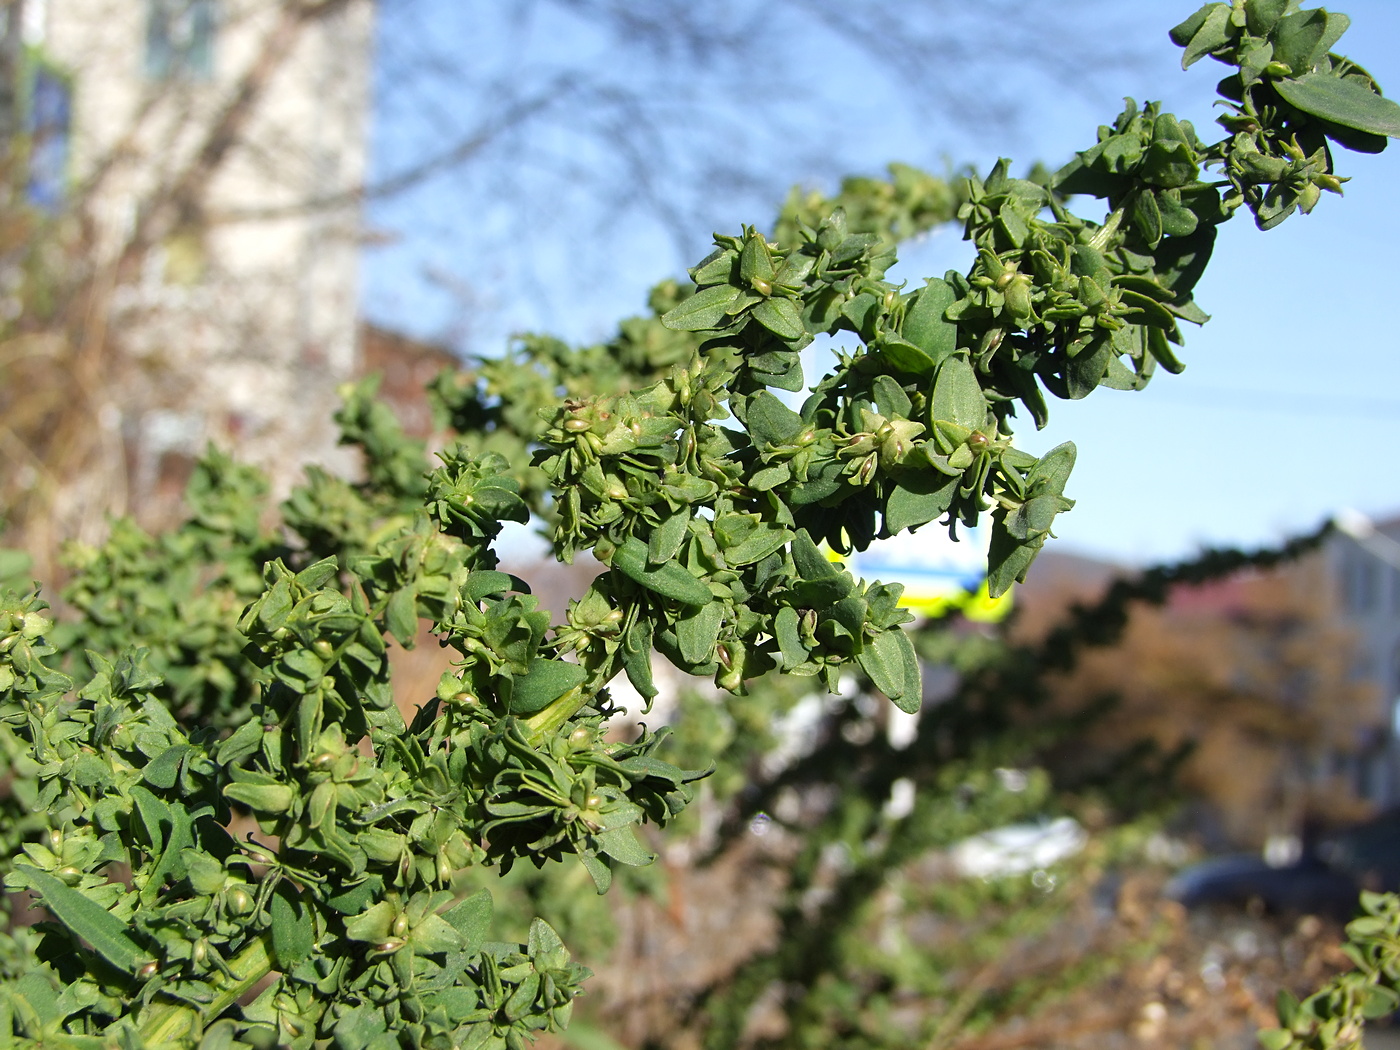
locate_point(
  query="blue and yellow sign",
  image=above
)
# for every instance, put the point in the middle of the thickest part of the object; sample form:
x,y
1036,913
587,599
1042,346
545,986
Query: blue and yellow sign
x,y
939,575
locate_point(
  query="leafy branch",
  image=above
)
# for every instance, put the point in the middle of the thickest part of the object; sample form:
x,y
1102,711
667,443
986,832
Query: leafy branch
x,y
239,678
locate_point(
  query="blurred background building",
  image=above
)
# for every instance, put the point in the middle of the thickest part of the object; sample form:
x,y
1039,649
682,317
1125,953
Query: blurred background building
x,y
1364,564
207,156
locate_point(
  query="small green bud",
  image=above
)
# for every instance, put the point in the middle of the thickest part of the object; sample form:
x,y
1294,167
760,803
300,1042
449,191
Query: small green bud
x,y
239,901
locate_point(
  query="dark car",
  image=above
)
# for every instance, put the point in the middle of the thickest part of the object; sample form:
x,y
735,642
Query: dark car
x,y
1325,880
1310,886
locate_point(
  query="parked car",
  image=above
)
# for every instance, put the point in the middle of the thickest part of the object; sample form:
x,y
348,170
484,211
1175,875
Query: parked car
x,y
1324,880
1308,886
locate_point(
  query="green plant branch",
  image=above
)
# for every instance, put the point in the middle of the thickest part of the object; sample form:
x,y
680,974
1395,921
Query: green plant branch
x,y
169,1024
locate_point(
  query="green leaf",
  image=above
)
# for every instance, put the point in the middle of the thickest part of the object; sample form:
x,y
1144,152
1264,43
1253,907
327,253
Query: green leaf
x,y
598,870
770,477
372,924
912,695
1147,217
811,563
1262,15
314,576
621,845
172,844
698,632
900,355
757,545
1346,101
1160,348
163,770
472,919
1212,31
401,616
1297,40
38,994
639,767
786,630
715,268
1181,34
755,260
265,798
636,658
153,818
276,605
1380,1002
924,325
545,949
1052,470
1085,370
861,313
545,682
770,421
109,936
671,580
1008,559
890,398
1337,24
957,396
354,900
1177,219
666,538
781,317
705,309
293,932
483,583
918,499
883,661
850,612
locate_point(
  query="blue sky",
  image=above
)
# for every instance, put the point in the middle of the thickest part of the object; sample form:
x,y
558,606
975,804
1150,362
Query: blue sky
x,y
1288,410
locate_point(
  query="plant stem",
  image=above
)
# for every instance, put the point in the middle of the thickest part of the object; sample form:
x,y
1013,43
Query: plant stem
x,y
171,1024
1099,241
542,723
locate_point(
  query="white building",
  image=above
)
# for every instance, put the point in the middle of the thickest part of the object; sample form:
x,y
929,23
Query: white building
x,y
216,150
1363,559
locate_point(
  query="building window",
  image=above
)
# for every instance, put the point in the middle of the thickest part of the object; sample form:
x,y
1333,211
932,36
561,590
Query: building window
x,y
1359,579
180,39
48,122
